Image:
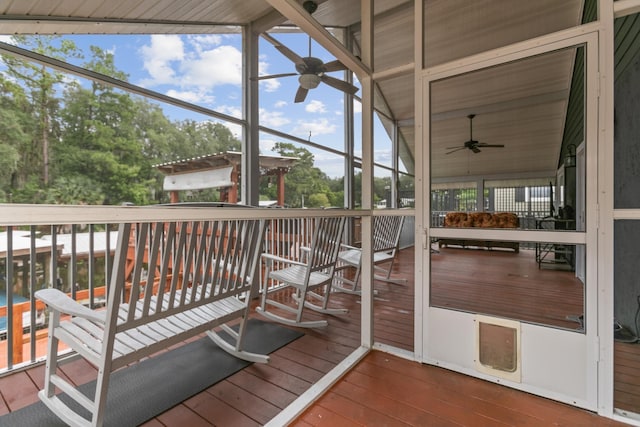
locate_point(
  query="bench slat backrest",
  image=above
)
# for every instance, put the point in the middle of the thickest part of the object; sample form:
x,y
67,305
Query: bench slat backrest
x,y
180,265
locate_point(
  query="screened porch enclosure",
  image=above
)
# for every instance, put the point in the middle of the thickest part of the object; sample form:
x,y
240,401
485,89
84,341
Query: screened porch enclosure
x,y
523,221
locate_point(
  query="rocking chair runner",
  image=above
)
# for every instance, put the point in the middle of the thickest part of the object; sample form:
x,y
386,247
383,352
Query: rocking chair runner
x,y
386,236
306,278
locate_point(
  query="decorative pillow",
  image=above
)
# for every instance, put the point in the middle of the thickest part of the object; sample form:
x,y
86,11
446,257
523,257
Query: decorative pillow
x,y
506,220
481,220
455,219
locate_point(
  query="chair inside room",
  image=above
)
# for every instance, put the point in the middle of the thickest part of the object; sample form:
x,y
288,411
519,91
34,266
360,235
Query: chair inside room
x,y
309,278
386,237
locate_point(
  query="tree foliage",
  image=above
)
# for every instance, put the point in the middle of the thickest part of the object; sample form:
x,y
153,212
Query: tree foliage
x,y
14,132
72,141
305,184
39,83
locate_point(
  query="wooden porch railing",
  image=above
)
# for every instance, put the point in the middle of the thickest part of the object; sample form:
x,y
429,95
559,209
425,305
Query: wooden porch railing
x,y
23,341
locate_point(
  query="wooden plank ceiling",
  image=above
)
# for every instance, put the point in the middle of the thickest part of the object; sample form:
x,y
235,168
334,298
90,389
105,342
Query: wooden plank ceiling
x,y
522,106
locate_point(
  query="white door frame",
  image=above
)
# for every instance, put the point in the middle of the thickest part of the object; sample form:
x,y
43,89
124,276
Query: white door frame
x,y
569,375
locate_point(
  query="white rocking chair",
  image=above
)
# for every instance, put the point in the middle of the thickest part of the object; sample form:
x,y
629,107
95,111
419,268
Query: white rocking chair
x,y
305,277
386,236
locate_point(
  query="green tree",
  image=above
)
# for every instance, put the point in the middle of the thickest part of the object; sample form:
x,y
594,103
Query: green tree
x,y
40,84
73,191
101,143
15,132
381,189
160,138
336,191
268,188
318,200
202,138
303,179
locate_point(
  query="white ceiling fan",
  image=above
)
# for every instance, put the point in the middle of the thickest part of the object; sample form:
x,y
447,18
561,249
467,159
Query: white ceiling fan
x,y
311,71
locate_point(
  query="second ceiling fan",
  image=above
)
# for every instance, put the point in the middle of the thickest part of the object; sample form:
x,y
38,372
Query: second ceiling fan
x,y
472,144
311,70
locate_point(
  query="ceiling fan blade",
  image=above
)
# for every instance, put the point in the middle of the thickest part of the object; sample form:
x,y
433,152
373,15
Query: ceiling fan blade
x,y
334,66
297,59
482,144
475,149
456,149
339,84
301,94
274,76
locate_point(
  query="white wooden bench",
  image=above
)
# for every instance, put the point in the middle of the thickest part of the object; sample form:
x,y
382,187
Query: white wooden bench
x,y
185,278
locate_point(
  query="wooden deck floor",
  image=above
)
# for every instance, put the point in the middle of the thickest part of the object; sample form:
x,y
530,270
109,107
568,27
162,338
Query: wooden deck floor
x,y
381,390
389,391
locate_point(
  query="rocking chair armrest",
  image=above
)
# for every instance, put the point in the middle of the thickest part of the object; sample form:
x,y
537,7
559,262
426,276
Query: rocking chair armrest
x,y
62,303
277,258
344,246
304,252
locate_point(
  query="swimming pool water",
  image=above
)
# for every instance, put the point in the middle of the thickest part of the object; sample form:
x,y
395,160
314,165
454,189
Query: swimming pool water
x,y
3,302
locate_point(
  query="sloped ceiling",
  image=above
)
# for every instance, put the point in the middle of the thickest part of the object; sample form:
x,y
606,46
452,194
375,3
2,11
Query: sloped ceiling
x,y
522,105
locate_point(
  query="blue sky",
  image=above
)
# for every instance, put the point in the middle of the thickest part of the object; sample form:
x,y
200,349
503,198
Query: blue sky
x,y
206,70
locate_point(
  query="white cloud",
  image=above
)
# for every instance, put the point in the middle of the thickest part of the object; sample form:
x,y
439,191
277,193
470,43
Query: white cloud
x,y
7,39
191,96
267,145
315,127
329,163
201,42
315,106
382,156
280,104
357,107
270,85
222,65
236,130
230,110
159,56
273,119
205,66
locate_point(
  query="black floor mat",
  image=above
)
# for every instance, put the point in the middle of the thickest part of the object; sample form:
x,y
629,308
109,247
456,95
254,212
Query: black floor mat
x,y
146,389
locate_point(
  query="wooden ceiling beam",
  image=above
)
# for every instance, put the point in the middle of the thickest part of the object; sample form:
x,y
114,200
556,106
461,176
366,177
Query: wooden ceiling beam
x,y
300,17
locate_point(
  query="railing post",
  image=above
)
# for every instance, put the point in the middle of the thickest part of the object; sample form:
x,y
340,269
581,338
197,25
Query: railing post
x,y
16,325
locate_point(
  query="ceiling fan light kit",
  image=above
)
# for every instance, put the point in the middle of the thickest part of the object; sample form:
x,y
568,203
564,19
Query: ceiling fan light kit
x,y
311,71
309,81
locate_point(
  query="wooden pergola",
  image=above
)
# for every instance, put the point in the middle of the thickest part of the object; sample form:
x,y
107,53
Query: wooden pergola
x,y
221,171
